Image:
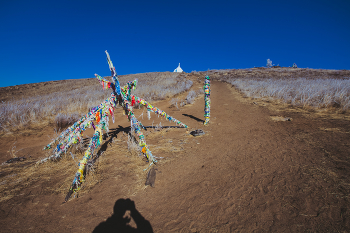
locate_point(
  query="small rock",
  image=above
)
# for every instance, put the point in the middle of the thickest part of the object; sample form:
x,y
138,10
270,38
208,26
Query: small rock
x,y
197,132
151,177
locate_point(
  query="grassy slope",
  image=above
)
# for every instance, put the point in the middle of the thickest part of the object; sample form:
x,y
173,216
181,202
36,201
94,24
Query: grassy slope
x,y
306,88
31,105
30,175
40,104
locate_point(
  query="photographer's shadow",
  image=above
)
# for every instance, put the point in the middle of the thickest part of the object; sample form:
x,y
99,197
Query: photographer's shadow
x,y
118,223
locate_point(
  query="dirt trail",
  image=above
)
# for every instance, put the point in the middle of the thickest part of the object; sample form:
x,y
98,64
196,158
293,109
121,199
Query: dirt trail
x,y
248,173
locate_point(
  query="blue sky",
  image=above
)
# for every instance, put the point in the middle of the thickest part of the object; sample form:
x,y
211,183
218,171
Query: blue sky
x,y
53,40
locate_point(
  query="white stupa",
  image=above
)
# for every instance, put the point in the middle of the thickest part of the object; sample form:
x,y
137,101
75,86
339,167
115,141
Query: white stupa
x,y
178,69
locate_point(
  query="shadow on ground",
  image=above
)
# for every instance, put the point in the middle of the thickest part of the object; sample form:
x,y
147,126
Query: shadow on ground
x,y
193,117
119,221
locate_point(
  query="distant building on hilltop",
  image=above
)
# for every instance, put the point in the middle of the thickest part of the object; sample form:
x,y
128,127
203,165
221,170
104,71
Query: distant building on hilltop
x,y
178,69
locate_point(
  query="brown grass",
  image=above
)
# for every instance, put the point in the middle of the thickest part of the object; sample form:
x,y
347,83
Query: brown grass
x,y
121,157
316,90
63,102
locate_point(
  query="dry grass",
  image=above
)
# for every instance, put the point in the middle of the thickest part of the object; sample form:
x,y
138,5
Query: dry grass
x,y
133,146
54,177
23,113
190,99
302,92
158,85
305,88
192,95
120,161
17,176
62,103
277,73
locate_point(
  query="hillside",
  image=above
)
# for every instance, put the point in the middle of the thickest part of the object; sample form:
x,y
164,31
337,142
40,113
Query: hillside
x,y
262,165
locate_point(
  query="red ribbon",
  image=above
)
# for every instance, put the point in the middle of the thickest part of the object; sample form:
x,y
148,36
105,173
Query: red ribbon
x,y
133,101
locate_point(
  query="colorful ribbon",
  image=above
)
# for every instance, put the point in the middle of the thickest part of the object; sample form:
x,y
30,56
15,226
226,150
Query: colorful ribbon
x,y
207,99
99,114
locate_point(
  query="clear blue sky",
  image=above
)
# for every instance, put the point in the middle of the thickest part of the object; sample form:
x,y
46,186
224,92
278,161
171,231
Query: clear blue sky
x,y
53,40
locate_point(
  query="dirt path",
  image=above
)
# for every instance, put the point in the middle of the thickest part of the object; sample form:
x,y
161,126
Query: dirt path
x,y
248,173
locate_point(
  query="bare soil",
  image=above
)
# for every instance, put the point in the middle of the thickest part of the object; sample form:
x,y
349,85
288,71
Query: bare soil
x,y
250,172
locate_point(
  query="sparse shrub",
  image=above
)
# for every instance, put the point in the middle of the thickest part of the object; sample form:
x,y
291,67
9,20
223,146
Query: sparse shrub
x,y
158,127
133,146
182,103
174,102
63,120
191,96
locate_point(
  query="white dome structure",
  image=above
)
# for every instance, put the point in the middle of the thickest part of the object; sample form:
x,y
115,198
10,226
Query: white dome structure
x,y
178,69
